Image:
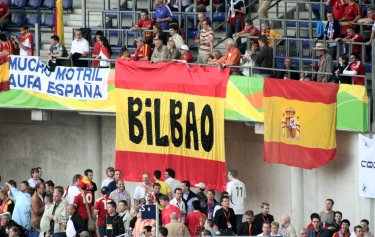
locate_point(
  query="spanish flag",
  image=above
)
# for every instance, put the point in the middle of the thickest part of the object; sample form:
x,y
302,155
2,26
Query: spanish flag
x,y
4,74
171,115
59,20
299,122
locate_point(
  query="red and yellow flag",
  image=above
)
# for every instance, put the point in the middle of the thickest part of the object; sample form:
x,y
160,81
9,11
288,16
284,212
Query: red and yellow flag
x,y
59,20
299,122
170,115
4,74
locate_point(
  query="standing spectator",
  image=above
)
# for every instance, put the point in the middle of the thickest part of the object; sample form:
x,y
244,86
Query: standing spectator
x,y
338,7
163,14
352,12
104,53
263,58
21,212
209,225
75,225
4,14
113,184
83,198
186,56
57,214
351,36
168,209
50,185
266,229
235,17
232,56
247,227
262,217
288,66
96,48
271,34
100,210
249,30
170,175
324,73
120,193
287,229
34,177
6,46
80,49
93,188
264,5
164,187
7,204
176,228
110,171
145,23
365,229
332,31
188,196
337,220
356,68
206,42
143,51
26,42
163,232
72,190
48,204
113,222
37,205
195,220
55,51
173,32
178,202
369,19
237,193
327,216
159,34
202,197
211,203
225,219
344,231
317,230
143,190
124,213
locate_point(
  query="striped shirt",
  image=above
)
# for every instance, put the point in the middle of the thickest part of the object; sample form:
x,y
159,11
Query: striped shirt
x,y
206,39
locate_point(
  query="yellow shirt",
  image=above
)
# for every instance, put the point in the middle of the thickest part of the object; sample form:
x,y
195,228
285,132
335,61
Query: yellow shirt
x,y
164,188
271,33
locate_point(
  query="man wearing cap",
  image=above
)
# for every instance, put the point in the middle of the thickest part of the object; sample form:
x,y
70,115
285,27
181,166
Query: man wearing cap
x,y
186,56
178,40
202,197
325,63
159,54
100,210
143,51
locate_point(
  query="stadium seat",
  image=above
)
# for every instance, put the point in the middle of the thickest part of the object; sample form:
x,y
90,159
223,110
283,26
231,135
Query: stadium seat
x,y
18,4
367,66
48,4
218,16
33,4
18,19
192,33
34,18
68,5
7,2
49,20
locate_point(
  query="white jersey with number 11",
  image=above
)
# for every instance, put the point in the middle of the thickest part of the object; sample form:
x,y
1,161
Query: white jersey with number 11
x,y
237,192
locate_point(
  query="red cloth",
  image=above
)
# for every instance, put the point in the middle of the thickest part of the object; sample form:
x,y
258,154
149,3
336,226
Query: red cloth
x,y
338,9
96,51
166,214
351,11
80,204
4,9
239,16
358,67
193,222
101,206
143,24
188,58
356,47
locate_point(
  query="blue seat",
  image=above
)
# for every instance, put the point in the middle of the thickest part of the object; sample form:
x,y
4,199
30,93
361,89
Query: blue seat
x,y
7,2
192,34
113,14
218,16
34,18
48,21
18,19
33,4
18,4
68,4
367,66
48,4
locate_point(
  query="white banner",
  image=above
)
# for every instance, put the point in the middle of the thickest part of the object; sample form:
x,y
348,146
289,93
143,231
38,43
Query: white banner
x,y
29,73
366,180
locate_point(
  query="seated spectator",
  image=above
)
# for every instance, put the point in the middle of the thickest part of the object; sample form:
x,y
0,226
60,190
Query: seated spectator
x,y
160,52
178,40
247,60
145,23
369,19
80,49
7,204
250,30
355,68
125,54
288,66
352,37
235,17
271,34
56,50
232,57
264,58
163,14
215,55
4,14
172,52
159,34
342,64
217,6
104,53
352,12
206,42
332,31
96,48
6,46
338,7
26,42
174,4
325,63
186,56
143,51
200,7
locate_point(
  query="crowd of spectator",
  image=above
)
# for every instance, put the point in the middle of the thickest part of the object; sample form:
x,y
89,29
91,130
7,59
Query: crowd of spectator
x,y
41,208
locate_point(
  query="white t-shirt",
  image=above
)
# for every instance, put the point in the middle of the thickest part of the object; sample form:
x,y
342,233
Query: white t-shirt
x,y
140,192
72,192
106,181
80,46
237,192
27,44
32,182
173,183
70,230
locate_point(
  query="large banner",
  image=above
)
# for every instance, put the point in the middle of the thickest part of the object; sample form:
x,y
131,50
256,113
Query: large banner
x,y
299,123
171,115
29,73
366,164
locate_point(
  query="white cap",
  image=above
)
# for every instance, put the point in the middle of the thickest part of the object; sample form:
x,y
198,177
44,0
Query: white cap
x,y
201,185
184,47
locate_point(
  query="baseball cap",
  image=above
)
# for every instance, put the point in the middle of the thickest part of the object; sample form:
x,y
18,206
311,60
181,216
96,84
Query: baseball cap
x,y
184,47
201,185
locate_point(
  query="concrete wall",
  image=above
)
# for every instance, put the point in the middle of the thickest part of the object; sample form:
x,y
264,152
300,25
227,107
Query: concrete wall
x,y
69,143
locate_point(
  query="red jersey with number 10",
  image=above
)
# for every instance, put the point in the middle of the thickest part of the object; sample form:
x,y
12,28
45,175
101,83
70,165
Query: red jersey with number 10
x,y
80,204
101,207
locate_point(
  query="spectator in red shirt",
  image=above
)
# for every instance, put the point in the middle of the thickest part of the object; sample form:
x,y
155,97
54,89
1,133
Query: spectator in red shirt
x,y
4,14
352,12
6,47
355,68
143,51
352,37
338,7
195,220
249,30
369,19
145,23
96,48
186,56
100,210
82,198
168,210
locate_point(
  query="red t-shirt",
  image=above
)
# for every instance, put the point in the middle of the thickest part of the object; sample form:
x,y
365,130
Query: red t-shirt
x,y
7,47
193,222
142,52
81,207
360,71
188,58
4,9
357,48
351,11
101,207
144,24
338,9
166,214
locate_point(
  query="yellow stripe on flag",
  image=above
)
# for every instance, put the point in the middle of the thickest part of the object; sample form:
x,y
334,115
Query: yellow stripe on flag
x,y
59,15
302,118
137,111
